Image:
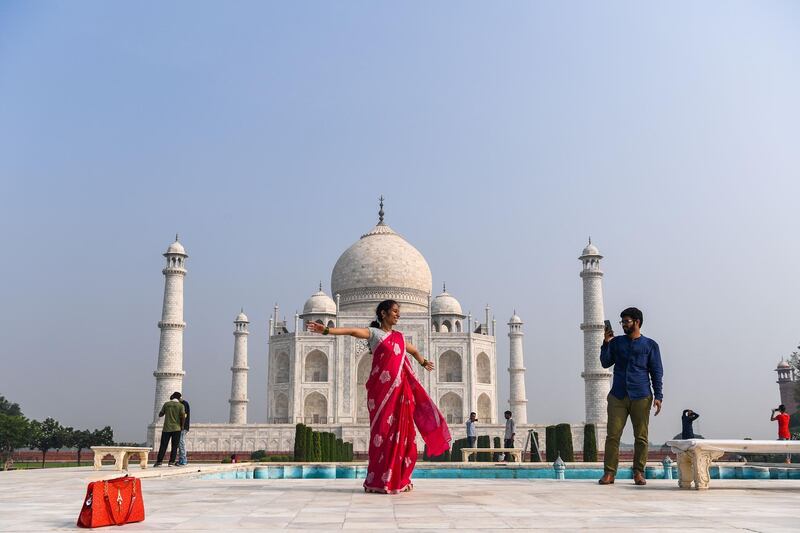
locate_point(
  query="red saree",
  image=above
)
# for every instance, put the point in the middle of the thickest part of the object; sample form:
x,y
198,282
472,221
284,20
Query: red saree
x,y
396,402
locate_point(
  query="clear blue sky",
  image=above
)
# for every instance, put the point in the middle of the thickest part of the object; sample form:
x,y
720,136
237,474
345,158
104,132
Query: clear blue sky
x,y
502,136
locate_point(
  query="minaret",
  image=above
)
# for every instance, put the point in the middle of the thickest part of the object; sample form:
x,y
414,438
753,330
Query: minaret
x,y
169,373
239,370
517,402
597,380
787,386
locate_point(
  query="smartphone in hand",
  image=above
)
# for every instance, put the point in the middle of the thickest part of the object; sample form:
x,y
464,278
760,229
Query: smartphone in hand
x,y
608,326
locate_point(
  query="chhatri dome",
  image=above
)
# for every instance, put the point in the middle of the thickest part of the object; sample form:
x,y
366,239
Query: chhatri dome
x,y
176,247
379,266
319,304
445,304
590,249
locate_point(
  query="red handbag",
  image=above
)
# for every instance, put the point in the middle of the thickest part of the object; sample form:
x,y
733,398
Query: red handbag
x,y
112,502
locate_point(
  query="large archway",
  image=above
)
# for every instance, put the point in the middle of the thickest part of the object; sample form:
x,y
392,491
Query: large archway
x,y
452,408
485,408
362,375
280,411
315,409
450,367
282,368
316,367
483,368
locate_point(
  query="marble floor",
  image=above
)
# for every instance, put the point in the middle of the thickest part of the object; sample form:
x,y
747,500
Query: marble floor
x,y
49,500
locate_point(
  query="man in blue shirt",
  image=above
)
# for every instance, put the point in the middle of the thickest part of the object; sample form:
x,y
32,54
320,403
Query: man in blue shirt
x,y
637,364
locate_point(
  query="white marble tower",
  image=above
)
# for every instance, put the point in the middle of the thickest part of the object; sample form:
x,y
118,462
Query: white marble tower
x,y
239,370
517,402
597,380
169,372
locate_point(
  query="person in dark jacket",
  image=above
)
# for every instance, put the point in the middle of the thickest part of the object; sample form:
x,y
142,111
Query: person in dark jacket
x,y
687,418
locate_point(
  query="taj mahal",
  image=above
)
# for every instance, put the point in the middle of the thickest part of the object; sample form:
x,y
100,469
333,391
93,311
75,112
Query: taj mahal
x,y
319,380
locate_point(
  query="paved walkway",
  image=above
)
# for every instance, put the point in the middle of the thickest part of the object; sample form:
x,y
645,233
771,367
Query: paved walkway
x,y
49,500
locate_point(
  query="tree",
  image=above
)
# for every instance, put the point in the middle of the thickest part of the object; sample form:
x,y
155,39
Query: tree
x,y
81,440
14,433
103,437
46,436
8,408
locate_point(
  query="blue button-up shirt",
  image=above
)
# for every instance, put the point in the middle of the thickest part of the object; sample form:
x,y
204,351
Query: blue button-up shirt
x,y
636,363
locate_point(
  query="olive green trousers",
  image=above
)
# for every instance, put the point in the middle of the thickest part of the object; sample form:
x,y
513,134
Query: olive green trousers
x,y
618,412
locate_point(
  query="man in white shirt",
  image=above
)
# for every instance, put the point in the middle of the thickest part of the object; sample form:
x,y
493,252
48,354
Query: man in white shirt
x,y
472,435
511,428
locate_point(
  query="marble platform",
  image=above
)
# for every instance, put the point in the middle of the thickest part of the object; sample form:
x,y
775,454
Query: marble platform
x,y
176,499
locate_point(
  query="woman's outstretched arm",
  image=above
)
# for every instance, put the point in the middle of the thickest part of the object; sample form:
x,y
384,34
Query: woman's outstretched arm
x,y
428,365
359,333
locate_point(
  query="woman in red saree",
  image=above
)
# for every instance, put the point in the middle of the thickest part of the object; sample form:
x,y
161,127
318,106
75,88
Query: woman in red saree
x,y
396,401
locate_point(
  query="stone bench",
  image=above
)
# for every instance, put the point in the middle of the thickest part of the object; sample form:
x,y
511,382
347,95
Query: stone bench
x,y
516,453
121,454
696,455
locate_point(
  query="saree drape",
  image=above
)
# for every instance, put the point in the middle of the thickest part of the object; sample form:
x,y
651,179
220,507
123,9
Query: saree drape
x,y
397,402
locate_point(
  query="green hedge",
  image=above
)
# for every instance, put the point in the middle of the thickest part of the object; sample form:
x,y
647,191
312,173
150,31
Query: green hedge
x,y
484,442
590,443
258,455
551,444
300,450
564,438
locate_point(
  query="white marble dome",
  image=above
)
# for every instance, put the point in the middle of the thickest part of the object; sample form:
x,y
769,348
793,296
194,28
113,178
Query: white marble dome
x,y
784,364
241,317
176,248
590,249
319,304
446,304
515,319
381,265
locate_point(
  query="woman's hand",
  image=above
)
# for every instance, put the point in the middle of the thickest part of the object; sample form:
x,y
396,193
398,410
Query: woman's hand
x,y
314,327
428,366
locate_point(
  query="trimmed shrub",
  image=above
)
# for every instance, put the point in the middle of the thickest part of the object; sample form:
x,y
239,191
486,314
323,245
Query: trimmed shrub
x,y
551,444
536,456
300,442
496,443
483,442
564,437
339,450
258,455
324,444
316,447
308,433
589,443
455,453
279,458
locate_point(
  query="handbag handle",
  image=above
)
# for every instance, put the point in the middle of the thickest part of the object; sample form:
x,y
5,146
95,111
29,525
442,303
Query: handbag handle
x,y
111,508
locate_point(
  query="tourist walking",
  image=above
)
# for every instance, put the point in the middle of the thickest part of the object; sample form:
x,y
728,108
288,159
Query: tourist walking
x,y
472,435
508,436
637,364
174,415
687,418
396,402
183,459
783,426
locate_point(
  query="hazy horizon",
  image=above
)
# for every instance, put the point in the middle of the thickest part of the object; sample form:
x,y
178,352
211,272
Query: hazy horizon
x,y
501,136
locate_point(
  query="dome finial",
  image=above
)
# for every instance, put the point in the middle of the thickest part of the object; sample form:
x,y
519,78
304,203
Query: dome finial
x,y
590,239
176,237
444,286
381,213
320,286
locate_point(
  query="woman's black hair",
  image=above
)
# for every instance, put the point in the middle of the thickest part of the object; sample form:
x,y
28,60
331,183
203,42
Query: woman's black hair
x,y
383,307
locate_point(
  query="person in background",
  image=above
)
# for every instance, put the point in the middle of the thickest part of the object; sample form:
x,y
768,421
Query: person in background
x,y
783,426
174,414
472,435
183,459
508,437
687,418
